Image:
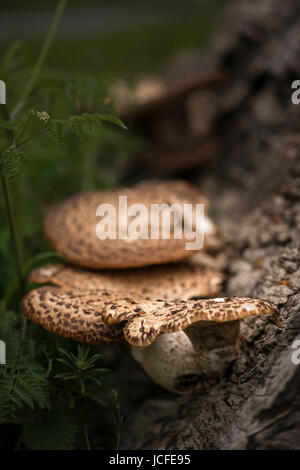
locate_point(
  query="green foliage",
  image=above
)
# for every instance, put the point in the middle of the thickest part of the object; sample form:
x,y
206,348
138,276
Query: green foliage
x,y
79,125
16,125
76,126
57,129
14,160
49,385
118,418
14,165
98,119
44,385
22,385
9,332
84,94
79,370
50,389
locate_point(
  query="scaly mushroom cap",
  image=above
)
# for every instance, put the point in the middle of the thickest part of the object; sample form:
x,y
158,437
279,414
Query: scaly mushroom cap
x,y
175,281
72,314
171,191
71,227
145,321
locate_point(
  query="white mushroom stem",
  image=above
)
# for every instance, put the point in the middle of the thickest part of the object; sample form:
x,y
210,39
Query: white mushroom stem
x,y
190,361
215,346
171,362
211,330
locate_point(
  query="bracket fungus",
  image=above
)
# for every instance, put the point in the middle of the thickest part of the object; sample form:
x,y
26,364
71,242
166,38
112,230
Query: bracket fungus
x,y
73,304
184,345
176,113
172,281
206,332
71,227
153,95
76,315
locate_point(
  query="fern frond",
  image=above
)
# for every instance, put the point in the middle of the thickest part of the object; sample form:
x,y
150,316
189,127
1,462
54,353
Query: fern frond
x,y
9,333
22,385
76,126
99,119
57,129
17,124
14,165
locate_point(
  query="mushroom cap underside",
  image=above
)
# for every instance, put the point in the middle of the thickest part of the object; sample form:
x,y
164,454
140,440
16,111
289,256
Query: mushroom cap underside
x,y
70,227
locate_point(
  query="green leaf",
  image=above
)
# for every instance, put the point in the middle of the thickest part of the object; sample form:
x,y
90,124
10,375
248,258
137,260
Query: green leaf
x,y
112,119
84,93
9,332
17,124
98,119
76,126
57,130
22,385
79,370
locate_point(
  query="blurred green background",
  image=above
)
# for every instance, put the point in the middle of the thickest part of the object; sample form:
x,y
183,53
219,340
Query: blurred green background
x,y
113,37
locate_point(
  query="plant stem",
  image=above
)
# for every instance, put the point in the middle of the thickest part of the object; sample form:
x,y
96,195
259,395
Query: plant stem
x,y
27,91
17,242
42,56
87,439
118,418
15,190
25,127
14,231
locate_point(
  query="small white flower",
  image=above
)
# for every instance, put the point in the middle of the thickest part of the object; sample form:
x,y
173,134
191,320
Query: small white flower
x,y
42,115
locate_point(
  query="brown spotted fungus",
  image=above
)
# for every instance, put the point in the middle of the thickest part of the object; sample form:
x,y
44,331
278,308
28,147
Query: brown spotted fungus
x,y
143,293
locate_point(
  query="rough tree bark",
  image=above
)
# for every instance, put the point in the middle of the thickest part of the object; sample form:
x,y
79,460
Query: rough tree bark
x,y
254,188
